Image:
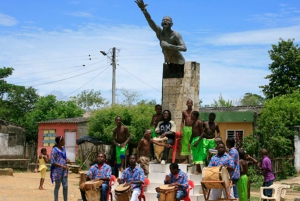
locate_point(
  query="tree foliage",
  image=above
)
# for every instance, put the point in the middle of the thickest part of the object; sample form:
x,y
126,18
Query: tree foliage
x,y
221,102
4,86
275,129
129,97
48,108
136,118
285,69
89,100
250,99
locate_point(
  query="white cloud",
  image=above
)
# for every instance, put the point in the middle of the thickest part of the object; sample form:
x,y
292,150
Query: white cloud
x,y
80,14
6,20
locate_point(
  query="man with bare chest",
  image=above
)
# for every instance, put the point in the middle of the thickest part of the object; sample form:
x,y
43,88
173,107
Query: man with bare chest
x,y
195,139
121,138
143,150
186,130
210,128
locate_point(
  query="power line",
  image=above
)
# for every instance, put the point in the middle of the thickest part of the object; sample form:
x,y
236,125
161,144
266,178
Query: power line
x,y
139,79
85,83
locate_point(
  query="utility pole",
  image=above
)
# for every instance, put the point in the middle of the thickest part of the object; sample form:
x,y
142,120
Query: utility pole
x,y
114,66
113,99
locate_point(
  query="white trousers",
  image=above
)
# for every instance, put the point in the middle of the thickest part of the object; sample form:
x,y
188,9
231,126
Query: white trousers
x,y
134,196
215,193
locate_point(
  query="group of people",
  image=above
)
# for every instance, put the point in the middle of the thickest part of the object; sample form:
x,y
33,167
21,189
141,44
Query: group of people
x,y
197,138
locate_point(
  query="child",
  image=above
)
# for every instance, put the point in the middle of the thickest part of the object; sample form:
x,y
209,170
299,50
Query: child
x,y
195,141
43,158
144,148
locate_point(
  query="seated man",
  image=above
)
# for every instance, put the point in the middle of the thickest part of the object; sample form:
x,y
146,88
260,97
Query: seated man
x,y
166,128
134,176
99,171
177,178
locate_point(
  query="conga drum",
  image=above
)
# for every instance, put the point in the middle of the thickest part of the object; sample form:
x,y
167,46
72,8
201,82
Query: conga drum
x,y
218,173
92,190
123,193
167,193
82,177
158,150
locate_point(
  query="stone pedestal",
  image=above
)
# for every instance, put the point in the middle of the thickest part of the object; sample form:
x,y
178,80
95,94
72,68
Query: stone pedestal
x,y
176,91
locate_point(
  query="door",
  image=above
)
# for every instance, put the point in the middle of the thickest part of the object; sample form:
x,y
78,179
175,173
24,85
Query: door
x,y
70,139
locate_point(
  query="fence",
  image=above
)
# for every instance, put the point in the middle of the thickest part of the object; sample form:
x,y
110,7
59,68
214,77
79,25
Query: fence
x,y
279,164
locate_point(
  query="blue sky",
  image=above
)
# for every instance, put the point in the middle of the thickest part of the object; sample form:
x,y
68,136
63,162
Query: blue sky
x,y
48,42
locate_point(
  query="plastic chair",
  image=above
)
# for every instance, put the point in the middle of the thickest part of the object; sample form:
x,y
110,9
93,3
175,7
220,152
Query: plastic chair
x,y
178,136
278,192
191,186
142,195
112,181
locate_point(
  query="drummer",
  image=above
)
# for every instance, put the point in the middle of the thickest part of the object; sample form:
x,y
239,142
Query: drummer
x,y
144,149
99,171
166,128
179,179
134,176
221,159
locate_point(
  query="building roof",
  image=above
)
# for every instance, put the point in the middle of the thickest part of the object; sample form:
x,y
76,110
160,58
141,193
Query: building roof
x,y
67,120
255,108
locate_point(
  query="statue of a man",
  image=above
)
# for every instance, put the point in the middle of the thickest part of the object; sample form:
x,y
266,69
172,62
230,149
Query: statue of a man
x,y
171,41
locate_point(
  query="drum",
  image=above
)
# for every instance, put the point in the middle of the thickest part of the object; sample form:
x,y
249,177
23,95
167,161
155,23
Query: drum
x,y
92,190
218,173
82,177
123,193
158,150
167,193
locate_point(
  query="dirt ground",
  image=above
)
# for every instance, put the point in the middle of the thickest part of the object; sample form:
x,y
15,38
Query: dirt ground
x,y
24,186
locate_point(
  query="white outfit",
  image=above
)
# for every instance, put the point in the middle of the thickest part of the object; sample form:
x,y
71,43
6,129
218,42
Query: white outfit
x,y
217,193
134,196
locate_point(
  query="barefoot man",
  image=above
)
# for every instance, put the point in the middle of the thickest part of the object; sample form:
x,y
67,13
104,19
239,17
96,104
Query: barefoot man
x,y
186,130
196,137
121,138
157,117
143,150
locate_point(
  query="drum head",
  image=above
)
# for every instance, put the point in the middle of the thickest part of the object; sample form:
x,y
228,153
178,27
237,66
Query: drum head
x,y
122,188
166,187
225,175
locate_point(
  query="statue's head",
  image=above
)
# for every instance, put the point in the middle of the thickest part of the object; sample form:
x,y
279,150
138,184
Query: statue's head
x,y
167,22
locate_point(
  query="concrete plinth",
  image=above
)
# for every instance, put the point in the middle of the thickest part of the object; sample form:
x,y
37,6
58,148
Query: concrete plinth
x,y
176,91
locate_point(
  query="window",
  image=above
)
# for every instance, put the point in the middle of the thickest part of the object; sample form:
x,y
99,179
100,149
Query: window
x,y
12,139
49,138
238,135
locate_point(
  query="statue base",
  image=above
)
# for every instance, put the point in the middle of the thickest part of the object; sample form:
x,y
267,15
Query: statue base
x,y
171,70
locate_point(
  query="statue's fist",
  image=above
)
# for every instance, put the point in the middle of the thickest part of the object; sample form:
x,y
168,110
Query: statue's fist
x,y
141,4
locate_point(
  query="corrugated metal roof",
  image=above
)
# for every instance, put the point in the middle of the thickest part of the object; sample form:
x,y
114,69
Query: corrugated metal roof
x,y
67,120
256,108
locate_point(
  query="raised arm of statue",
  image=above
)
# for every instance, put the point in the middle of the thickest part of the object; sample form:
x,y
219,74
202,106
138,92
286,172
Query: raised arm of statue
x,y
151,23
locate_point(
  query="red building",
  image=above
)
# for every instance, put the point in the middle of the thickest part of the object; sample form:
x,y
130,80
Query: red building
x,y
70,128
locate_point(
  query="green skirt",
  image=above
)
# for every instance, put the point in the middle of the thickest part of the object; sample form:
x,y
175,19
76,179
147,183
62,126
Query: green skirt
x,y
121,152
186,136
242,186
196,151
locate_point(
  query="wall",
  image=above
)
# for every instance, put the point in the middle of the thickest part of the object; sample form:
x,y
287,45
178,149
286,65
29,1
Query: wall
x,y
16,151
176,91
60,128
247,127
82,129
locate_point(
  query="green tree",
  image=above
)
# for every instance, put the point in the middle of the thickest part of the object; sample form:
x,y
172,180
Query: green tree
x,y
136,118
221,102
89,100
285,69
48,108
147,102
250,99
4,86
275,129
130,96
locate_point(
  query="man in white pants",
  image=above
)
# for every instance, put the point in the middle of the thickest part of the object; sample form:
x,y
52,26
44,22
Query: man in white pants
x,y
134,176
221,159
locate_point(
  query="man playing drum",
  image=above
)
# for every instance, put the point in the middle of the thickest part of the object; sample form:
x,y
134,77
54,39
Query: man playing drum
x,y
144,149
157,117
177,178
99,171
166,128
134,176
121,138
221,159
